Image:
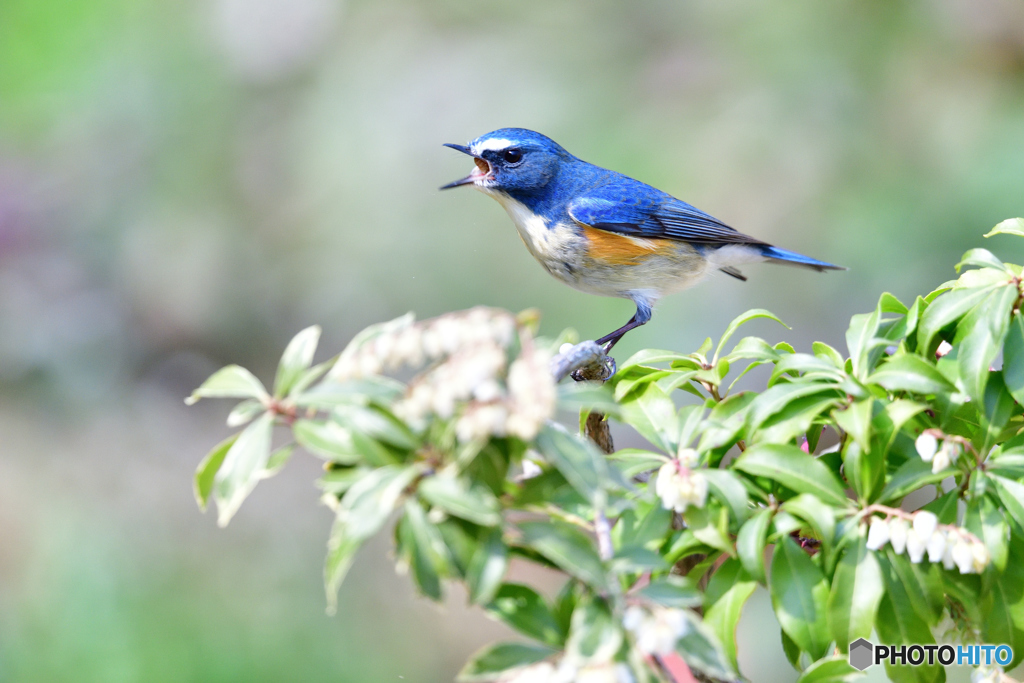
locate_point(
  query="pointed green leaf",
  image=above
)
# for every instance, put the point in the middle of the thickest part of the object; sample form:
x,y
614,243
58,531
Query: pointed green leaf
x,y
986,328
242,465
731,588
1013,358
297,358
836,670
907,372
944,310
651,412
569,548
577,458
1011,226
202,483
800,597
487,568
457,496
232,381
855,420
857,588
672,591
525,610
791,467
493,661
750,543
752,314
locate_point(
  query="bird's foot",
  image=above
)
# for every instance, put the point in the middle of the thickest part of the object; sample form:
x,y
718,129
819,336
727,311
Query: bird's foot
x,y
601,371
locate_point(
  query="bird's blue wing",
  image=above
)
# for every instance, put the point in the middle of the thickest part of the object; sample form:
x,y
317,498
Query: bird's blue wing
x,y
629,207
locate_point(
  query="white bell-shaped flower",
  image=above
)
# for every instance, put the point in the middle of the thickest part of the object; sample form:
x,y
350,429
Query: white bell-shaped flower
x,y
878,534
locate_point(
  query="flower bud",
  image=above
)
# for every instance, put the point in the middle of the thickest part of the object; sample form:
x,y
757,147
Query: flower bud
x,y
898,534
963,557
915,546
980,557
941,461
688,457
926,445
878,533
924,524
936,546
947,556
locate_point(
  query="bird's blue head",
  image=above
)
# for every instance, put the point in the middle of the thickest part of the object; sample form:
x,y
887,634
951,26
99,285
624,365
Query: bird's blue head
x,y
512,161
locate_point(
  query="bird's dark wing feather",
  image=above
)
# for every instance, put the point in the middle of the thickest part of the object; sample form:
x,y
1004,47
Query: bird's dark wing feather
x,y
630,207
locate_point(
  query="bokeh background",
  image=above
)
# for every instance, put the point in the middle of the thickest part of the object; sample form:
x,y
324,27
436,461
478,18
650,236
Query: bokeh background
x,y
187,183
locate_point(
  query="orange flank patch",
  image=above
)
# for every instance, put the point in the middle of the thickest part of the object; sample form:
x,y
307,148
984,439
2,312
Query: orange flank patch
x,y
615,249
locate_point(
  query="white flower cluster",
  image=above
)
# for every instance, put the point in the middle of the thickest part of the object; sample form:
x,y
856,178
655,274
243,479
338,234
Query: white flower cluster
x,y
656,629
679,485
568,672
951,545
928,448
470,379
404,343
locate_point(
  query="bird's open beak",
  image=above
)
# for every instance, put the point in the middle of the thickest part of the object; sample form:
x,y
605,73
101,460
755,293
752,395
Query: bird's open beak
x,y
481,170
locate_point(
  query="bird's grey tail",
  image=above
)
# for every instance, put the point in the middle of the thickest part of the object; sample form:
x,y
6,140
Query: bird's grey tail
x,y
791,258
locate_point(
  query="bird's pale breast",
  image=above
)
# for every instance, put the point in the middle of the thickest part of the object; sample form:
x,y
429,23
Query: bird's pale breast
x,y
606,263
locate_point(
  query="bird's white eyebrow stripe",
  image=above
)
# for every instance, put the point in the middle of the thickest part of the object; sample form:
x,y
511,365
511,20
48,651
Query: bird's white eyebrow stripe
x,y
490,144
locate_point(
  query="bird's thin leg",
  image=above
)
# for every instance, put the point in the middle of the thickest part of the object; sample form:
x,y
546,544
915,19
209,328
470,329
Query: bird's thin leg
x,y
642,315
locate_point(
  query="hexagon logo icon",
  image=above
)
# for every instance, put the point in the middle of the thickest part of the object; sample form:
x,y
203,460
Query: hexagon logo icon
x,y
861,654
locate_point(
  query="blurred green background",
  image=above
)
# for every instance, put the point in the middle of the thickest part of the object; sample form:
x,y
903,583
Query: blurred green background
x,y
185,184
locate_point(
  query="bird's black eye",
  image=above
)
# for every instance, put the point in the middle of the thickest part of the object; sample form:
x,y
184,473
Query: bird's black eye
x,y
512,156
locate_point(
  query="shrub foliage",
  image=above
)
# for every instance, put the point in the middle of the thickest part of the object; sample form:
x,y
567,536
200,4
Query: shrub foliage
x,y
876,491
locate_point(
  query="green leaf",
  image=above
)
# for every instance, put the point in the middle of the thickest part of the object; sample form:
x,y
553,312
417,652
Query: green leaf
x,y
487,568
986,521
633,461
907,372
459,497
819,516
648,356
861,341
750,543
726,486
525,610
327,440
672,591
429,559
898,623
734,588
644,526
835,670
244,412
855,420
864,470
945,309
910,476
590,396
775,399
593,632
378,424
240,470
202,483
1011,226
1003,605
297,357
710,526
791,467
277,460
702,650
922,583
232,381
651,412
800,596
1011,493
986,328
492,661
363,510
752,314
1013,358
982,258
570,549
577,458
857,588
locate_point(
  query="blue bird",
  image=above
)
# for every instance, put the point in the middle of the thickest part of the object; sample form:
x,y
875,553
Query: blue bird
x,y
604,233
